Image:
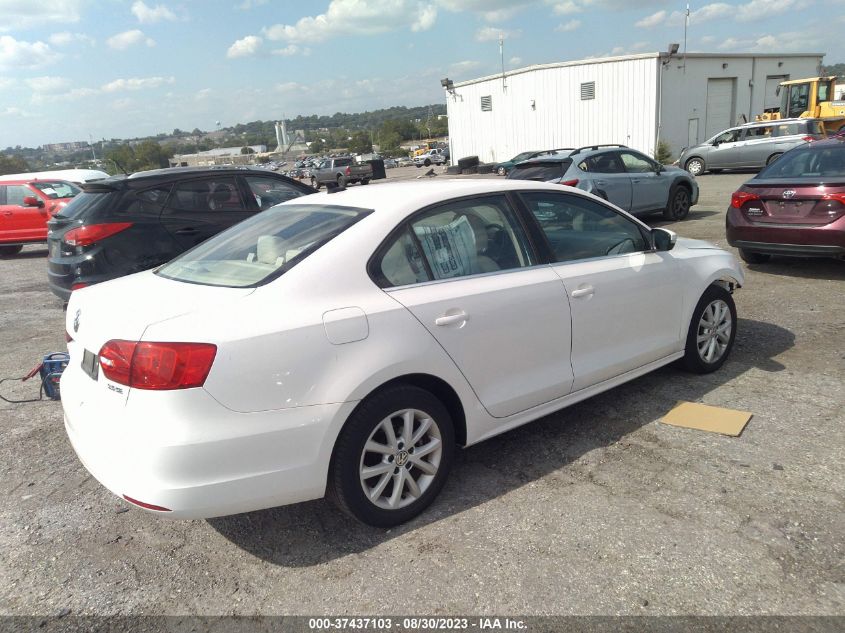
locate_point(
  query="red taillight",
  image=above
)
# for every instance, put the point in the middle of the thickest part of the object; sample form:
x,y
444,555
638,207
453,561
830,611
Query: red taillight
x,y
148,506
85,235
839,197
570,183
116,360
157,366
348,171
808,138
740,197
78,285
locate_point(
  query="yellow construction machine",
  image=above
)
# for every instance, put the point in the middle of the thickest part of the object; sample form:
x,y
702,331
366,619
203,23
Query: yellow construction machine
x,y
810,98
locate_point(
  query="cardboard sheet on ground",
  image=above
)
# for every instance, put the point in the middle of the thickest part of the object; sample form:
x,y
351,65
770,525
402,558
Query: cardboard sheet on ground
x,y
692,415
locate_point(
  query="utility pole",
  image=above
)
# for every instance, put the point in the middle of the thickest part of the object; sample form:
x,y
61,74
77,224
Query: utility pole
x,y
502,58
686,24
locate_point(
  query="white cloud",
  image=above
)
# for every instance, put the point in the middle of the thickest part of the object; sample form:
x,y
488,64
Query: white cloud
x,y
24,14
62,38
461,68
203,94
515,61
127,39
151,15
492,33
18,54
121,104
245,47
246,5
12,112
567,7
48,85
6,82
572,25
353,17
136,83
291,49
652,20
788,41
490,10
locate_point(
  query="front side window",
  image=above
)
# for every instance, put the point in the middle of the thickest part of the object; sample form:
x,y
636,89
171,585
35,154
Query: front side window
x,y
16,193
58,189
799,100
731,136
636,163
269,192
461,238
262,247
578,228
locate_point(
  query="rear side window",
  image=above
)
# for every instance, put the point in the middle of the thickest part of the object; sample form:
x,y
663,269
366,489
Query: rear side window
x,y
203,196
542,171
87,204
602,164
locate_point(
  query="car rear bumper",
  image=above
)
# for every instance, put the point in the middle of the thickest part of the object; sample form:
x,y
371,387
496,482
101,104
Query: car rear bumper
x,y
826,240
185,452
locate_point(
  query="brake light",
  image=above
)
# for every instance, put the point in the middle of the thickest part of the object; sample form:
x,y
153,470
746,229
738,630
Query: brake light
x,y
157,366
808,138
78,285
348,171
86,235
741,197
570,183
839,197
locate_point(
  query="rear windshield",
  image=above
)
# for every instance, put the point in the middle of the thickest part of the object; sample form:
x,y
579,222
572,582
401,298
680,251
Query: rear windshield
x,y
262,248
539,171
56,189
85,204
808,162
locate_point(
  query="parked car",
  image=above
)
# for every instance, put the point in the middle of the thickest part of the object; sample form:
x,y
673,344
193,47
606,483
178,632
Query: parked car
x,y
795,206
123,225
341,171
630,180
505,166
26,206
76,176
431,157
749,146
347,342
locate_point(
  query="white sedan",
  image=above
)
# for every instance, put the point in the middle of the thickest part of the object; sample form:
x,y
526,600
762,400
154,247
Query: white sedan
x,y
345,343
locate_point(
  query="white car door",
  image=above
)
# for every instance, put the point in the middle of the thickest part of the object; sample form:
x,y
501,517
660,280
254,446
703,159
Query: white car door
x,y
625,300
466,272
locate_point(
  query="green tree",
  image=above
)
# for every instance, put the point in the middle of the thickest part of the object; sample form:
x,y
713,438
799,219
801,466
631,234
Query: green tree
x,y
317,146
663,153
247,150
12,164
360,143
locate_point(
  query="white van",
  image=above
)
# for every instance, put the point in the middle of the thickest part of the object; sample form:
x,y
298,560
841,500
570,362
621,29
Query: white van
x,y
78,176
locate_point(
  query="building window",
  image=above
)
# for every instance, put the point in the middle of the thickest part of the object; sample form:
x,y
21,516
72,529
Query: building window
x,y
486,103
588,90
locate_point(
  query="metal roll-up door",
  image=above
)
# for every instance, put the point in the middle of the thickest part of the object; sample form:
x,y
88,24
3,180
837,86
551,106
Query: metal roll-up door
x,y
720,105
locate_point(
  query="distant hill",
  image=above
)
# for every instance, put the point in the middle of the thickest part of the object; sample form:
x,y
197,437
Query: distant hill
x,y
836,69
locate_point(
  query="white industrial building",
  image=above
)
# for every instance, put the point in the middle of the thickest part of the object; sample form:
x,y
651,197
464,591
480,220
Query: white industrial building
x,y
633,100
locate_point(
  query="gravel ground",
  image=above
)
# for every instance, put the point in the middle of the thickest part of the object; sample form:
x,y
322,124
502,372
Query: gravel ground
x,y
598,509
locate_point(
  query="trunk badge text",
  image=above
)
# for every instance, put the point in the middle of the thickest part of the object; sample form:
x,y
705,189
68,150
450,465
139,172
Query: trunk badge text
x,y
789,193
76,320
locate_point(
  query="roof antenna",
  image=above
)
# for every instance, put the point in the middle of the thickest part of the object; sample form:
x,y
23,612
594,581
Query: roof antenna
x,y
686,23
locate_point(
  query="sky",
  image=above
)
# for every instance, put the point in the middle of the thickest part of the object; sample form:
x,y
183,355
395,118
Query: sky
x,y
81,70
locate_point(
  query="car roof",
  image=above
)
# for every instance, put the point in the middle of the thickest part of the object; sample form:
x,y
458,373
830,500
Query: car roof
x,y
171,174
401,197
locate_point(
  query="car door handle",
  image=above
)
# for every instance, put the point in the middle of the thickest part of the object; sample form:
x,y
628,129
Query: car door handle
x,y
587,291
450,319
7,213
601,182
187,232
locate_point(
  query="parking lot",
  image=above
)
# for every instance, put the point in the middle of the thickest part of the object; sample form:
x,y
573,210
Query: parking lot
x,y
597,509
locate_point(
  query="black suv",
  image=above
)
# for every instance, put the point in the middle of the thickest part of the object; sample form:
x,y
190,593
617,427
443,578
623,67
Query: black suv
x,y
126,224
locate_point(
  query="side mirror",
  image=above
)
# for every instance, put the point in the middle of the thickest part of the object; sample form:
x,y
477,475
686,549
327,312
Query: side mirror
x,y
32,201
659,169
664,239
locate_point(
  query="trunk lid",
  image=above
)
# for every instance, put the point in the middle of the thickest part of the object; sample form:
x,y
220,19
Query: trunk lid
x,y
794,203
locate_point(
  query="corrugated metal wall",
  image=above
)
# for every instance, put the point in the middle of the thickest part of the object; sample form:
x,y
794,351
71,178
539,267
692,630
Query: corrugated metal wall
x,y
542,109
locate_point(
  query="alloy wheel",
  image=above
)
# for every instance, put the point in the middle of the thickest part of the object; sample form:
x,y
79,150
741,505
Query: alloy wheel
x,y
714,331
400,459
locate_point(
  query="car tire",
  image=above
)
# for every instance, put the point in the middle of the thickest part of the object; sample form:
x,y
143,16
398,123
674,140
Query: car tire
x,y
369,498
341,182
427,163
753,257
695,166
773,158
678,206
712,331
8,251
315,183
365,181
502,171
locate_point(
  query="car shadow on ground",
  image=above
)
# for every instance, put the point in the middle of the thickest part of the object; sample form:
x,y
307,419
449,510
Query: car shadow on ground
x,y
803,267
315,532
656,219
27,254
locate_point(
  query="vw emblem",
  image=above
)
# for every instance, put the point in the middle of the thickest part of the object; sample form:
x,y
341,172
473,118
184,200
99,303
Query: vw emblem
x,y
401,458
789,193
76,320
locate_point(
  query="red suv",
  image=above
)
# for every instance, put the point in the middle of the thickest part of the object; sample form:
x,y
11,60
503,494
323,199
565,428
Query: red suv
x,y
795,206
25,208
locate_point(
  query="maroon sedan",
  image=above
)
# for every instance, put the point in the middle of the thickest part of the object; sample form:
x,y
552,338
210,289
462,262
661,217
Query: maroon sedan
x,y
795,206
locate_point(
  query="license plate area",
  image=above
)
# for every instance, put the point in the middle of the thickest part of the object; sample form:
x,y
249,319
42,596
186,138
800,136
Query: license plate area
x,y
90,364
